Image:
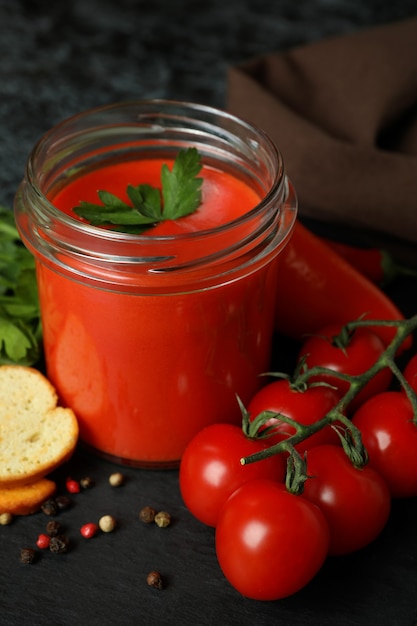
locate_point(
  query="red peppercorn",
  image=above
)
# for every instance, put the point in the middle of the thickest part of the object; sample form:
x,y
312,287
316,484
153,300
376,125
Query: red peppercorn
x,y
73,486
89,530
43,541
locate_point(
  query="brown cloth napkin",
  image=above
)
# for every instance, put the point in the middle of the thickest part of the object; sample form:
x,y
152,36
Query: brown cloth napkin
x,y
343,112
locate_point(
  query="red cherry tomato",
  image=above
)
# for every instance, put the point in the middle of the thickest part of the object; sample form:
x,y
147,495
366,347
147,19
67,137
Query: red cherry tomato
x,y
269,542
363,350
210,469
390,438
410,372
305,407
356,502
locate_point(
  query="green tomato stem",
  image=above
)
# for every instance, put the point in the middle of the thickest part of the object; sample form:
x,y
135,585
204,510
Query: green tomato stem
x,y
336,414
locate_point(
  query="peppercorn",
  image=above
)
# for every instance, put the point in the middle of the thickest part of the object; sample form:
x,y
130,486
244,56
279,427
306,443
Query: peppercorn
x,y
27,555
162,519
63,502
53,528
116,480
43,541
49,507
154,579
86,482
73,486
5,519
107,523
89,530
59,544
147,514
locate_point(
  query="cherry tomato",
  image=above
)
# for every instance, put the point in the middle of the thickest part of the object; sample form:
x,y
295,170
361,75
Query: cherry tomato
x,y
210,469
269,542
305,407
410,372
356,502
390,438
363,350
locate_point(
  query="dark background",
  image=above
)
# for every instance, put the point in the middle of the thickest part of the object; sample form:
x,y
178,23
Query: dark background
x,y
57,58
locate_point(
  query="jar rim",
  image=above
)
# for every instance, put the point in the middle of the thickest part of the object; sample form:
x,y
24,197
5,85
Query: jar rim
x,y
112,132
158,105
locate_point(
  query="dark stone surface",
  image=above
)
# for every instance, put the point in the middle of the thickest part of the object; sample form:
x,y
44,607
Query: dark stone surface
x,y
57,58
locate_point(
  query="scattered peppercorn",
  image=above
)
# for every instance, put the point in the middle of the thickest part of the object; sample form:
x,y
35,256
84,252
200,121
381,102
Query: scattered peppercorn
x,y
89,530
5,519
86,482
116,479
50,507
154,579
59,544
27,555
53,528
43,541
107,523
63,502
162,519
147,514
73,486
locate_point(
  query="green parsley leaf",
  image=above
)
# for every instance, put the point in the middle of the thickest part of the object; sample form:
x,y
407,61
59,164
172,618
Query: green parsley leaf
x,y
181,189
20,325
181,195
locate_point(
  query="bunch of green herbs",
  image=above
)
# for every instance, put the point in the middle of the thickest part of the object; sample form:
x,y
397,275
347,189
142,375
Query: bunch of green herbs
x,y
20,325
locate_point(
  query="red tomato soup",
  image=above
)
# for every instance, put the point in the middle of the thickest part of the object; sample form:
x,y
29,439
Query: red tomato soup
x,y
149,348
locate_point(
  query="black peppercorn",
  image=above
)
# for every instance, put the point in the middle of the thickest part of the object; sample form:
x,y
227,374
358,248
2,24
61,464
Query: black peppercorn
x,y
63,502
50,507
27,555
154,579
53,528
147,514
59,544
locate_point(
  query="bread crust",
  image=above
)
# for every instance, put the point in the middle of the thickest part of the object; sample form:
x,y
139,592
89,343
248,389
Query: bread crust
x,y
26,499
36,435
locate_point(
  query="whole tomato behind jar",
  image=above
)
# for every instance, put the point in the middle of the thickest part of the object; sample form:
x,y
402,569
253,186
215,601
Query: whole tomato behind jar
x,y
346,352
305,405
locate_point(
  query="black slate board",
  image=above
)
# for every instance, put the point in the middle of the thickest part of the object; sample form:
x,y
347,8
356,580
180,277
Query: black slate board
x,y
55,60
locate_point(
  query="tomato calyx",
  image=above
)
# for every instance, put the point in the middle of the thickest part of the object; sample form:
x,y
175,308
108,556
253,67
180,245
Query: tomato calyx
x,y
296,474
352,444
350,436
298,381
297,470
257,428
342,339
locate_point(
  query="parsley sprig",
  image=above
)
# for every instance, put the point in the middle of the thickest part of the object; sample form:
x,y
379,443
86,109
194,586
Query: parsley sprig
x,y
179,196
20,325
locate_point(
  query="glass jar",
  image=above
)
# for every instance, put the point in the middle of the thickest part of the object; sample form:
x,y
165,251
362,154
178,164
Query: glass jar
x,y
151,337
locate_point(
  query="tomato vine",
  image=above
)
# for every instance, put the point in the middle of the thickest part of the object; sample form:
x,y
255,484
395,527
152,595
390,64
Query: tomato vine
x,y
349,434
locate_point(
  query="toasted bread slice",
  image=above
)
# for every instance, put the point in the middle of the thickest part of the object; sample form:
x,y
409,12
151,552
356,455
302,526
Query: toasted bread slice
x,y
26,499
35,434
